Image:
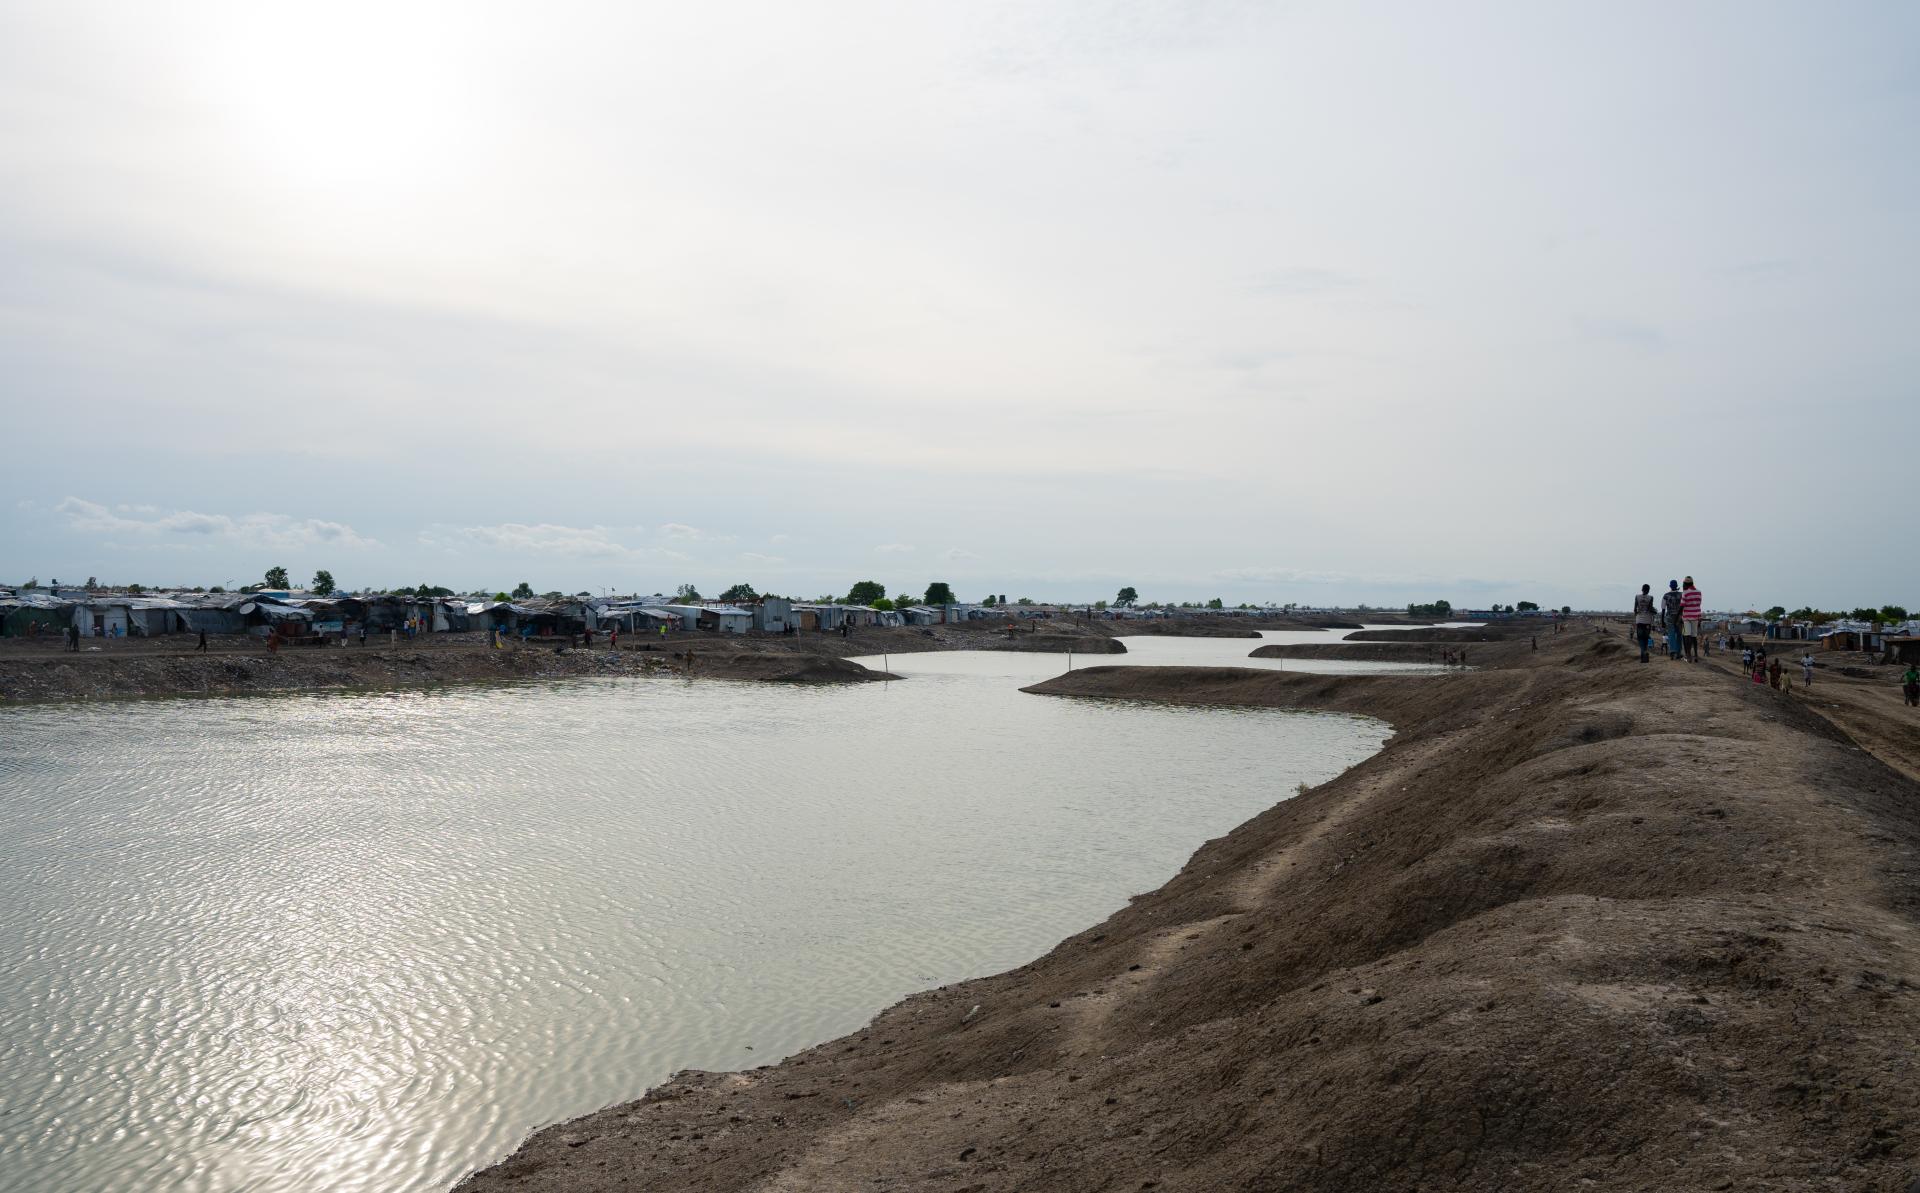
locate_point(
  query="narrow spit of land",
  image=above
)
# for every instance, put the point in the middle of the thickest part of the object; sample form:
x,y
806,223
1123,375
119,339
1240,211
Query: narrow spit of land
x,y
1583,924
37,670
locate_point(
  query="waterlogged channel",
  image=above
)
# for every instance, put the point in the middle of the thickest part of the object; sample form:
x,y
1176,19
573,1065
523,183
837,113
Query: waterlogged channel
x,y
368,942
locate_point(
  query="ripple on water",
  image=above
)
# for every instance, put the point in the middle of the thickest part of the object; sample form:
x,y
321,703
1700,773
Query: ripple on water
x,y
369,942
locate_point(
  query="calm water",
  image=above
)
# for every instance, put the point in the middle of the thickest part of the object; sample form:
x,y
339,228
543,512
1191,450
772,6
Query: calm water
x,y
368,942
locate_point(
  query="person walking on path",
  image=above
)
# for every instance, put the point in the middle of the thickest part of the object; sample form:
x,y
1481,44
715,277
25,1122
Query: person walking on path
x,y
1773,674
73,638
202,648
1690,605
1910,685
1806,669
1643,616
1670,617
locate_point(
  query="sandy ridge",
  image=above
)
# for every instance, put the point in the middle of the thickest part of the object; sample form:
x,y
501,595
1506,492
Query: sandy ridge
x,y
1582,924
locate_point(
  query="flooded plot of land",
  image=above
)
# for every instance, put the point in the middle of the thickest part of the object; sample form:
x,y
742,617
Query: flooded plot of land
x,y
368,942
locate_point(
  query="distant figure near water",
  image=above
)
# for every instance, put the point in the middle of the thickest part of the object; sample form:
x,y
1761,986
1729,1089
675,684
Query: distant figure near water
x,y
1670,606
1643,616
1690,609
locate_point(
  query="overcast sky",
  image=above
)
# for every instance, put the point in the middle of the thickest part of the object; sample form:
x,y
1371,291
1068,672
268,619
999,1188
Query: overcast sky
x,y
1321,302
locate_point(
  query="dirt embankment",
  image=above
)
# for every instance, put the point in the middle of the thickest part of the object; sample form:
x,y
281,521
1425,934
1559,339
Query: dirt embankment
x,y
1493,633
46,676
32,671
1376,652
1583,924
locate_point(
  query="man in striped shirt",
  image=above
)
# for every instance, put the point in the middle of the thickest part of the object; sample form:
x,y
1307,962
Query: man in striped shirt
x,y
1690,605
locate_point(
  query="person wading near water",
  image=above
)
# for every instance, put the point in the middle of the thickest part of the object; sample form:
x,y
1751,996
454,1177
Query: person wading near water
x,y
1690,605
1643,616
1670,617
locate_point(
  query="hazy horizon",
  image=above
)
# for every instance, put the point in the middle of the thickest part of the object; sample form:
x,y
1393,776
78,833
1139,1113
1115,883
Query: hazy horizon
x,y
1302,302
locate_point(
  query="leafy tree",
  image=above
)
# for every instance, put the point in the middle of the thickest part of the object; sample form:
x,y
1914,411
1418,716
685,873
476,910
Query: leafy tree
x,y
883,604
501,596
687,593
435,590
216,588
941,593
1100,604
92,583
866,592
988,603
1892,613
135,589
1126,598
740,592
322,582
1024,601
1865,614
904,600
1216,603
1436,609
276,577
1775,613
1529,607
522,591
1566,610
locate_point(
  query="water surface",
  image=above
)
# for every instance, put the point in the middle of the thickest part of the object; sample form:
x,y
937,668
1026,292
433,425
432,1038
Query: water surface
x,y
368,942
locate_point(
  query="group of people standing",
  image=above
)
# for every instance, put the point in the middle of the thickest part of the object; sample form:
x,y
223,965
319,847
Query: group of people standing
x,y
1754,661
1677,615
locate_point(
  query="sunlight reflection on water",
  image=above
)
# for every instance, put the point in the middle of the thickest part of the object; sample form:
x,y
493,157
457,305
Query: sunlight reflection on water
x,y
368,942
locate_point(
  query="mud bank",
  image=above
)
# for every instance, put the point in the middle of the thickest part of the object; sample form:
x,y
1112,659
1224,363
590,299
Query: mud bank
x,y
63,676
1377,652
1438,634
1583,923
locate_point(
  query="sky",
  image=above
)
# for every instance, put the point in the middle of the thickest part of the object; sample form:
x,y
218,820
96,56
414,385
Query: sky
x,y
1316,302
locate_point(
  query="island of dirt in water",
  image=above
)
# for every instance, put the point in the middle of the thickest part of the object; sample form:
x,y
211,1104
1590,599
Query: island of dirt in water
x,y
1584,923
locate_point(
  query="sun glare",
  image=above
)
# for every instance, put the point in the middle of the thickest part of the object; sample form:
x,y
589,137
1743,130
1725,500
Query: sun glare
x,y
352,106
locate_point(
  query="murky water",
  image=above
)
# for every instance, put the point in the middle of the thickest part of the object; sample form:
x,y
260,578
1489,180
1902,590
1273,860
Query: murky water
x,y
368,942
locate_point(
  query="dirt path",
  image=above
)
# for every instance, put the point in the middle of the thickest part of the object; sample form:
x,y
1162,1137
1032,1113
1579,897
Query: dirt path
x,y
1583,924
1872,712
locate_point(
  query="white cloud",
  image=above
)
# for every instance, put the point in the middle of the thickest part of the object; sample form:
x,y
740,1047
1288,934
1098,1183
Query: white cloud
x,y
762,560
894,549
247,530
680,530
957,555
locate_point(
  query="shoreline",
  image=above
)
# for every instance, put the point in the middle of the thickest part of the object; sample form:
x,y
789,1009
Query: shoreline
x,y
156,675
1581,922
41,672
